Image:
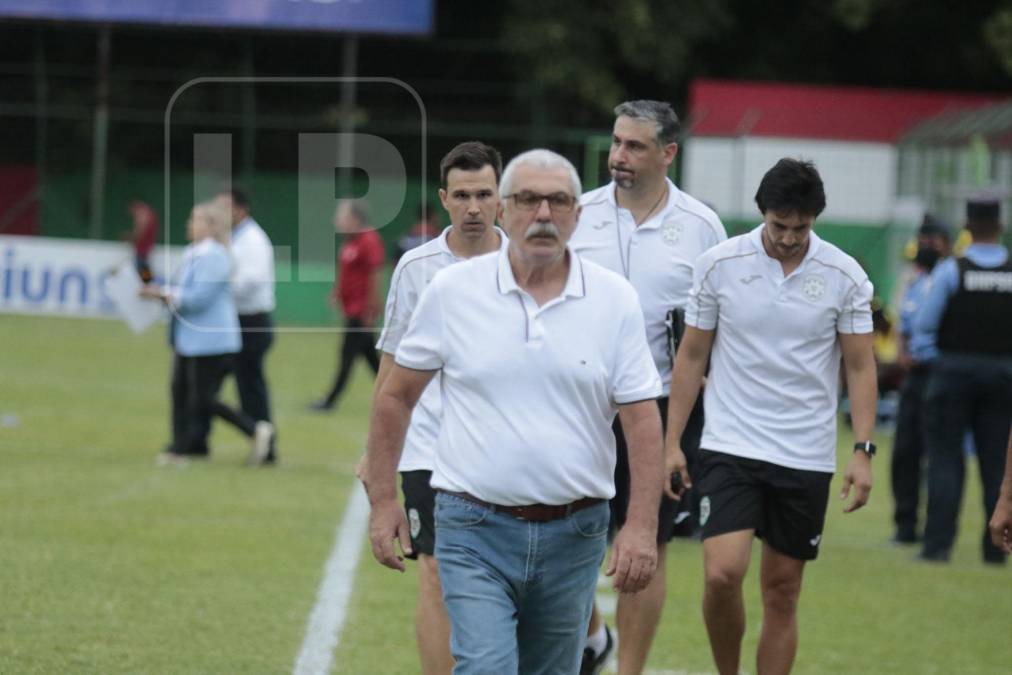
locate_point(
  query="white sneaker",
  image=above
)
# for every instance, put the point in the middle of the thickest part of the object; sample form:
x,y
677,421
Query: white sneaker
x,y
263,432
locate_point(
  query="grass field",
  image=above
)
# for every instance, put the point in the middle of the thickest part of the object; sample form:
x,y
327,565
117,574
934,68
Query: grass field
x,y
111,565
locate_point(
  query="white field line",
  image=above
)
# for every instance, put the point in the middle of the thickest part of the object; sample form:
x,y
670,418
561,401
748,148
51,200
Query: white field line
x,y
327,619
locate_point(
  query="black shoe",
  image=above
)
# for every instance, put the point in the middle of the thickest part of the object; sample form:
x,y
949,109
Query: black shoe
x,y
323,405
904,539
933,556
594,663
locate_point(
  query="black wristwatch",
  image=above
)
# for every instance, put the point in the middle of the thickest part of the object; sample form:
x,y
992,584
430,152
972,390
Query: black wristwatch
x,y
867,447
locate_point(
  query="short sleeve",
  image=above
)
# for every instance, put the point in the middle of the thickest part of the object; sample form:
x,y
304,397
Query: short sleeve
x,y
702,309
635,376
377,254
855,315
401,300
421,348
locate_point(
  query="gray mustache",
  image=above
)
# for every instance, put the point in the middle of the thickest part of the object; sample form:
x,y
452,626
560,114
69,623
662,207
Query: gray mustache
x,y
541,229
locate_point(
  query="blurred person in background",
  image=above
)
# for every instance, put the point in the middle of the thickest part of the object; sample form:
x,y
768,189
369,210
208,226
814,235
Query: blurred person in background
x,y
253,292
934,243
357,290
425,229
469,177
640,225
143,236
965,324
203,332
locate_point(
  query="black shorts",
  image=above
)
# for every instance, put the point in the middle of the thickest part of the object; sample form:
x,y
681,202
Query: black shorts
x,y
674,518
420,507
786,507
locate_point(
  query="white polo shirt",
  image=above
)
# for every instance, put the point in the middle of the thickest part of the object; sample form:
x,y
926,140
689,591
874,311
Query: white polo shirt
x,y
253,279
414,271
656,257
529,393
774,371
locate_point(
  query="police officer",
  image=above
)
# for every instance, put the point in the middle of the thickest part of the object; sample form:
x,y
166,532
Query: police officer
x,y
934,242
967,319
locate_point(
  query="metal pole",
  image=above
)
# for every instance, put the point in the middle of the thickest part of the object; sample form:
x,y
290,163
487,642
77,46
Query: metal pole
x,y
249,113
101,134
349,91
41,113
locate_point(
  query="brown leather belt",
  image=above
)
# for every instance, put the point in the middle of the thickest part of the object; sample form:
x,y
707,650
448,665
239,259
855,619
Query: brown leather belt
x,y
536,513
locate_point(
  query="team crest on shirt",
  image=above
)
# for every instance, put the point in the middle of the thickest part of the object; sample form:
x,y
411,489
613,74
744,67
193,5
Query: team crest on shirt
x,y
704,510
415,522
671,232
814,287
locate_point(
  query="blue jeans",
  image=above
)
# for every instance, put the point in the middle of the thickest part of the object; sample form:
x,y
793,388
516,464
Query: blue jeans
x,y
518,593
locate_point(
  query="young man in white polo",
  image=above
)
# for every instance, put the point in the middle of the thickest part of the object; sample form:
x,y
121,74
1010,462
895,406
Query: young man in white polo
x,y
531,379
469,177
772,311
640,225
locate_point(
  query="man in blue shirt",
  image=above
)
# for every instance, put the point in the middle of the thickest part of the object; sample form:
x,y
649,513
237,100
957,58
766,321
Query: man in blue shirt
x,y
933,243
965,323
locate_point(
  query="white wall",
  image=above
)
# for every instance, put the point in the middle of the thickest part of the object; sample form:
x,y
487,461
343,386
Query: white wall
x,y
860,178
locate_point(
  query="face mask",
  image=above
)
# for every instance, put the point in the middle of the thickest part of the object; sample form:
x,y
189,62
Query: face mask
x,y
926,257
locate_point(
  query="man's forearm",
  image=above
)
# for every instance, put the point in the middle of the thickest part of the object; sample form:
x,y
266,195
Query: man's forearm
x,y
387,429
862,385
646,468
686,382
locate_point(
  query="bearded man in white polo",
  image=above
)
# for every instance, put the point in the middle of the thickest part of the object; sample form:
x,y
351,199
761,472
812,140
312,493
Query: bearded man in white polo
x,y
772,311
531,380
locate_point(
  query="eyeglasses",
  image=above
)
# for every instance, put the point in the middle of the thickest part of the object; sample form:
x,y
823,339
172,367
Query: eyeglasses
x,y
558,202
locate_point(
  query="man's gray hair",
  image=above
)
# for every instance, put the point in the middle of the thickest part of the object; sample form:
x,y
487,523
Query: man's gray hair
x,y
357,208
542,159
658,112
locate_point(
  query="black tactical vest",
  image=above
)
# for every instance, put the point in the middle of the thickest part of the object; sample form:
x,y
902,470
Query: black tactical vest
x,y
978,318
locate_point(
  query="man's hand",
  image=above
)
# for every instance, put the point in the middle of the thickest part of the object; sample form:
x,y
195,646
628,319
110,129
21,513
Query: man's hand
x,y
387,523
674,463
858,476
152,292
1001,524
633,558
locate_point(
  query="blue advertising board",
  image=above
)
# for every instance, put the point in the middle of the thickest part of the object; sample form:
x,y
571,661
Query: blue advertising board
x,y
358,16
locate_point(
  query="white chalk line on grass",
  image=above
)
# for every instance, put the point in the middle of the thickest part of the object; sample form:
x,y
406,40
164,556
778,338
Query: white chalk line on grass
x,y
323,632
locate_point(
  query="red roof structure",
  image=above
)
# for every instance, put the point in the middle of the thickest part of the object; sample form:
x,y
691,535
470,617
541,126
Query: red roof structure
x,y
732,108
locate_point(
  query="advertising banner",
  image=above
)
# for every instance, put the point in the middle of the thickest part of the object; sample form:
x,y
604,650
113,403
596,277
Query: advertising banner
x,y
412,17
66,277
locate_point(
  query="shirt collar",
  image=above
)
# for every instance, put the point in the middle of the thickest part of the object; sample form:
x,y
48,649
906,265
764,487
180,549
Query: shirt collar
x,y
444,245
756,236
243,224
674,198
576,284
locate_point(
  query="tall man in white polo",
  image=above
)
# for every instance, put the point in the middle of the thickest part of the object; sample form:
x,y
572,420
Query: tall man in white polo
x,y
531,379
772,310
469,175
253,290
643,227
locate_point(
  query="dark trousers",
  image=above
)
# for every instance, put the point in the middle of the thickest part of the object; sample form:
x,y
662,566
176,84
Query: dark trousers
x,y
257,338
358,341
974,393
195,384
909,451
250,383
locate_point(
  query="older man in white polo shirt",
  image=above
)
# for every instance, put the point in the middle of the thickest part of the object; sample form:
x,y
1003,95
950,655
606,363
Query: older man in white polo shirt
x,y
643,227
531,379
772,310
